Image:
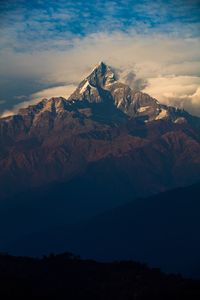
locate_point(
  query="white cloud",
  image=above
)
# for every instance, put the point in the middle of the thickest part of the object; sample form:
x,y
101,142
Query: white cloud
x,y
181,91
63,91
7,113
151,55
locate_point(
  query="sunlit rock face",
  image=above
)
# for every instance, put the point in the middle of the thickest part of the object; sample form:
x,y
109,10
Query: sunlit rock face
x,y
102,86
104,122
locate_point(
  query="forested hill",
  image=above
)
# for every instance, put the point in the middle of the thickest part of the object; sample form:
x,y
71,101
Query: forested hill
x,y
68,277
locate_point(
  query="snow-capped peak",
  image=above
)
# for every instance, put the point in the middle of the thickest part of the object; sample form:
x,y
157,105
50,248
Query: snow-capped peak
x,y
101,85
101,77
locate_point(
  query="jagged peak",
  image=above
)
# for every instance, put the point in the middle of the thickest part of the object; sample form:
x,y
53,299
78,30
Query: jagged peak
x,y
101,85
100,64
101,75
100,78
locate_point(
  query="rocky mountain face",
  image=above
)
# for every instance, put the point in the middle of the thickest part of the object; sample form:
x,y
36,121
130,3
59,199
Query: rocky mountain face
x,y
101,86
106,127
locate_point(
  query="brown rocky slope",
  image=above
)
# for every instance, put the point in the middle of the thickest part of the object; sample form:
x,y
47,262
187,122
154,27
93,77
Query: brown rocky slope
x,y
103,125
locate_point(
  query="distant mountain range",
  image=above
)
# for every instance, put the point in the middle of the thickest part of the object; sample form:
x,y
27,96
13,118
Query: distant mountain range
x,y
106,127
161,230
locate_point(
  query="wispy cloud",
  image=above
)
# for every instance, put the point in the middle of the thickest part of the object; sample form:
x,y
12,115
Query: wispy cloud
x,y
33,24
60,91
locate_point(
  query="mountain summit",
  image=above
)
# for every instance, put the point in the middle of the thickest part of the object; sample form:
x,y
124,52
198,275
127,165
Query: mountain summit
x,y
103,123
92,87
102,85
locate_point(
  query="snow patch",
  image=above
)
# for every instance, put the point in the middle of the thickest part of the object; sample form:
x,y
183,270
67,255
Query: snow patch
x,y
120,102
162,114
110,77
118,89
180,120
143,109
84,87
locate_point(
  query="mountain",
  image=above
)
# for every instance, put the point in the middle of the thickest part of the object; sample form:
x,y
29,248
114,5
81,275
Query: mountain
x,y
64,161
161,230
104,127
102,86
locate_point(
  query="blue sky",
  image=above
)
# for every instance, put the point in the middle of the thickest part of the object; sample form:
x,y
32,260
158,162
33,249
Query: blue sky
x,y
37,22
50,44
